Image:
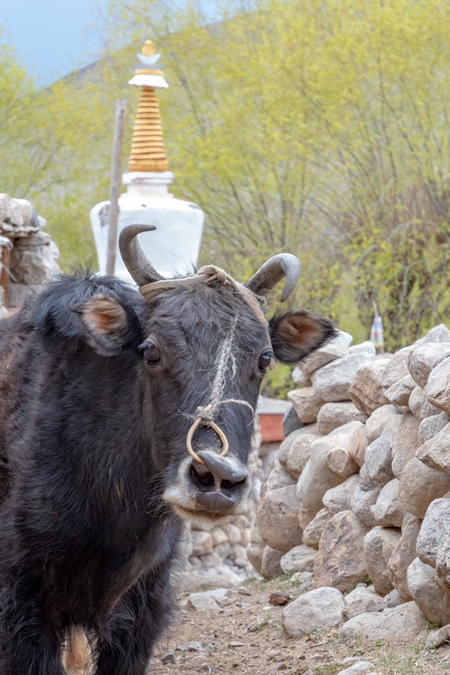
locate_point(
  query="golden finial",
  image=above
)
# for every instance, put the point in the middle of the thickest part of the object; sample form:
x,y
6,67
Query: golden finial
x,y
148,49
147,145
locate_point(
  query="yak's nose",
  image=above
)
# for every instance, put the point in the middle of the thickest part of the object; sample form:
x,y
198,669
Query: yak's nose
x,y
219,482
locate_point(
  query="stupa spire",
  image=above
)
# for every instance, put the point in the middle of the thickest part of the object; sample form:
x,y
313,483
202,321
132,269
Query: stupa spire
x,y
147,145
175,244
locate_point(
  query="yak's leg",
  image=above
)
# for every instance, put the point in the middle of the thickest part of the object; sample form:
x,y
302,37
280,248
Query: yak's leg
x,y
137,623
29,645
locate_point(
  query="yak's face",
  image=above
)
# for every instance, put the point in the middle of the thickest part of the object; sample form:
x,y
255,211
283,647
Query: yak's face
x,y
205,347
201,346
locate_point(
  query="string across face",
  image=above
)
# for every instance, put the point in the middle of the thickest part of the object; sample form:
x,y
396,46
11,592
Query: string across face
x,y
225,363
225,370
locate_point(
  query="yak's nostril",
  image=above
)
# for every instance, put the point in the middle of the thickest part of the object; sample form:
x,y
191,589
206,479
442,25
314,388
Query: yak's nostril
x,y
224,468
229,485
202,478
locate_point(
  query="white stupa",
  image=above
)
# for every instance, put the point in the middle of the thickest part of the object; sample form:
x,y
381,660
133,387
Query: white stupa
x,y
175,245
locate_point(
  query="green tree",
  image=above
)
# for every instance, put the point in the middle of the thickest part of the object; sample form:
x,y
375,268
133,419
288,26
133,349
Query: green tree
x,y
320,128
55,150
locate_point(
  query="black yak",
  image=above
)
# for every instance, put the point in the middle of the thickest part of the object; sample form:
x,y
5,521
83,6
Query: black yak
x,y
100,386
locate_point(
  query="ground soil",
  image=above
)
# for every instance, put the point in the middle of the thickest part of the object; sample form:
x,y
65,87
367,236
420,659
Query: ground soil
x,y
246,617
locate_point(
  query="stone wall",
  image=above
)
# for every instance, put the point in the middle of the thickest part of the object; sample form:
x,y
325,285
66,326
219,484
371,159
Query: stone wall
x,y
358,499
33,263
33,254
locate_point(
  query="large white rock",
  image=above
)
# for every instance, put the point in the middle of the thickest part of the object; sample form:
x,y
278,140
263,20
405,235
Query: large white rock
x,y
420,406
423,358
387,510
443,560
320,357
364,497
434,526
333,381
366,346
435,453
299,453
419,486
366,391
379,544
314,530
398,625
318,609
343,339
399,393
379,456
334,415
283,450
307,403
208,599
270,563
298,559
315,479
403,555
299,379
357,446
357,668
277,518
405,442
338,499
430,426
276,476
340,561
439,333
341,462
432,600
396,368
378,421
437,389
363,599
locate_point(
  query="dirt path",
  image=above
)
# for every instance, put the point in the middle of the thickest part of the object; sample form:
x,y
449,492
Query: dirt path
x,y
244,636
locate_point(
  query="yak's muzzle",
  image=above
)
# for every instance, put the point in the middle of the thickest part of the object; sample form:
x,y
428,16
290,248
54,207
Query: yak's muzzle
x,y
215,488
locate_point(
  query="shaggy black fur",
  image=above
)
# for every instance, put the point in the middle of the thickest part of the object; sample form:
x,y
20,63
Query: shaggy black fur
x,y
88,444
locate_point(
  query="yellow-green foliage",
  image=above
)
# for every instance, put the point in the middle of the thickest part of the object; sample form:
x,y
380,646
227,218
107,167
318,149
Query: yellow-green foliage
x,y
320,127
55,150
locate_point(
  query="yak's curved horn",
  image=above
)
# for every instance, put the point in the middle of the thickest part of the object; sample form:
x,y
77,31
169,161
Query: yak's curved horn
x,y
137,263
273,271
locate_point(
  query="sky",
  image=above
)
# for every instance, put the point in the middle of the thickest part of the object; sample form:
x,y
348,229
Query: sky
x,y
49,35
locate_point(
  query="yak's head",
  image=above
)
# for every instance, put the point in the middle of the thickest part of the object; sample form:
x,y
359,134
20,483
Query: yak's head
x,y
205,348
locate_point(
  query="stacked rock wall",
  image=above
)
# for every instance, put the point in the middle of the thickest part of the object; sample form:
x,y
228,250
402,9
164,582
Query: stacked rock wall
x,y
33,253
358,498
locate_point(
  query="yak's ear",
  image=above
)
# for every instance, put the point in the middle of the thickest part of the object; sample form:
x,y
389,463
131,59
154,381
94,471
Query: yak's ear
x,y
106,323
296,334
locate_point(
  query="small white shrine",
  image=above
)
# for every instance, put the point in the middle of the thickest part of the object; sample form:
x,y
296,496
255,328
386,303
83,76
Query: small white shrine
x,y
175,245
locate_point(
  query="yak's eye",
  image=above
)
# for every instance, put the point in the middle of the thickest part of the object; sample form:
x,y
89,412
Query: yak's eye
x,y
152,354
265,360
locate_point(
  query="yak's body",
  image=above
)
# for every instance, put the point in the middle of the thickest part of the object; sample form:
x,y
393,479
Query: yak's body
x,y
94,465
82,515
